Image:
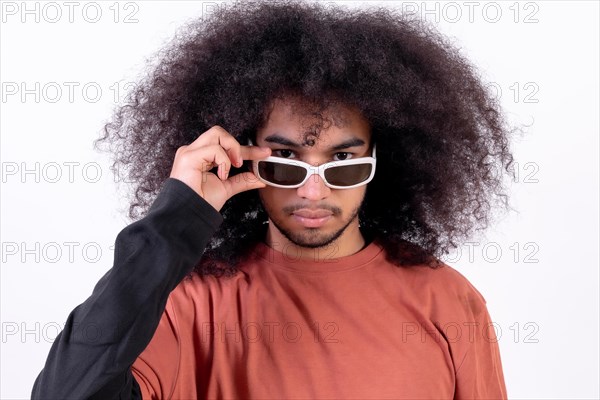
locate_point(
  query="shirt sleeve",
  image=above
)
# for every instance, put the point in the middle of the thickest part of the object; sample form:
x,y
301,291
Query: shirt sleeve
x,y
152,256
479,374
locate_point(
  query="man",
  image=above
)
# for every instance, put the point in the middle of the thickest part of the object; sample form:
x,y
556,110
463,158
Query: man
x,y
290,251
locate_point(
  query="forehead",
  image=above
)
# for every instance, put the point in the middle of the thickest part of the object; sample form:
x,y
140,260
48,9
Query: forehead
x,y
306,125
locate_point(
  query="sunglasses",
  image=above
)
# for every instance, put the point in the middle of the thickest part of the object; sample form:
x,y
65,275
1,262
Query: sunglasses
x,y
290,174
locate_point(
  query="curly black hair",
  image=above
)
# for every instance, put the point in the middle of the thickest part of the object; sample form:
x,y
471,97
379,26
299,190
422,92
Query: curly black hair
x,y
442,139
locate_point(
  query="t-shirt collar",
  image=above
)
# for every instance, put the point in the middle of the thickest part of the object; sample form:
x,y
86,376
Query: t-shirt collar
x,y
287,258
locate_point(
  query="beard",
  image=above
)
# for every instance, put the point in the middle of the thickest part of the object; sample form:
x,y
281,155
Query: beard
x,y
314,237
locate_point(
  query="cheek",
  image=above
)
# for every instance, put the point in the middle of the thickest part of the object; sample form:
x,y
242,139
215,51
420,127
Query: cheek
x,y
353,197
270,198
352,200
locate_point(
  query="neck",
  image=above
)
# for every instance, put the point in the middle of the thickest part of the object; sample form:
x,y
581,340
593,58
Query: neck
x,y
349,242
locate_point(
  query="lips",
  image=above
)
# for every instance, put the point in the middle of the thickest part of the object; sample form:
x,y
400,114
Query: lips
x,y
313,214
312,218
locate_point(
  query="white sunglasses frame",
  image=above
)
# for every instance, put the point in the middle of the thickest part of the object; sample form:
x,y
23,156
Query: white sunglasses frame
x,y
318,170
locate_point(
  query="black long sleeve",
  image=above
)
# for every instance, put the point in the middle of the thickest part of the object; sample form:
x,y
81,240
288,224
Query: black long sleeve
x,y
102,337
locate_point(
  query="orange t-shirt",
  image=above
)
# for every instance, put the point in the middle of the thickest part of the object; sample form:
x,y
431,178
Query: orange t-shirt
x,y
353,327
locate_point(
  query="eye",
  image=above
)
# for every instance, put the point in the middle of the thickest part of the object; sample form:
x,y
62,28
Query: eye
x,y
283,153
341,156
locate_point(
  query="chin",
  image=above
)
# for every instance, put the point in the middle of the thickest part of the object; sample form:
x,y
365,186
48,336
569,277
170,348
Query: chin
x,y
310,237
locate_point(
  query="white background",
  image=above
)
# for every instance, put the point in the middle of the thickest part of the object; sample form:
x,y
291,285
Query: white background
x,y
537,268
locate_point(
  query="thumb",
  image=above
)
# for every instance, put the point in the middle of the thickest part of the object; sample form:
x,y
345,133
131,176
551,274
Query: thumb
x,y
242,182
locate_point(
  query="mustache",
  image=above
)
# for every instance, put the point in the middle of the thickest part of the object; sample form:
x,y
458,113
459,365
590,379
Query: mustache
x,y
290,209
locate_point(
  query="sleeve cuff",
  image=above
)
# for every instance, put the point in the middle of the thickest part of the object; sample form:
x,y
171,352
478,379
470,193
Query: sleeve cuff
x,y
179,195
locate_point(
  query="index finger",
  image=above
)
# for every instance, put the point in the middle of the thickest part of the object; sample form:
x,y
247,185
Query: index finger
x,y
254,152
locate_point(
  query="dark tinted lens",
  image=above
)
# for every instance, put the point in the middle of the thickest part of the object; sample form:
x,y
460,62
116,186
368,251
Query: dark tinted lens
x,y
348,175
281,174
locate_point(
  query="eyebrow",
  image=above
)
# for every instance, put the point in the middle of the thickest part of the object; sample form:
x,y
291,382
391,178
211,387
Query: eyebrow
x,y
353,142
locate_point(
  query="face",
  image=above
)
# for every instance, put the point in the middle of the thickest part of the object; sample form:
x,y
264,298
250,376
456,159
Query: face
x,y
314,215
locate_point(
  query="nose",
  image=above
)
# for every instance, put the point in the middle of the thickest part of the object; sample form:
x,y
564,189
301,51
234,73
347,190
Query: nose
x,y
314,189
